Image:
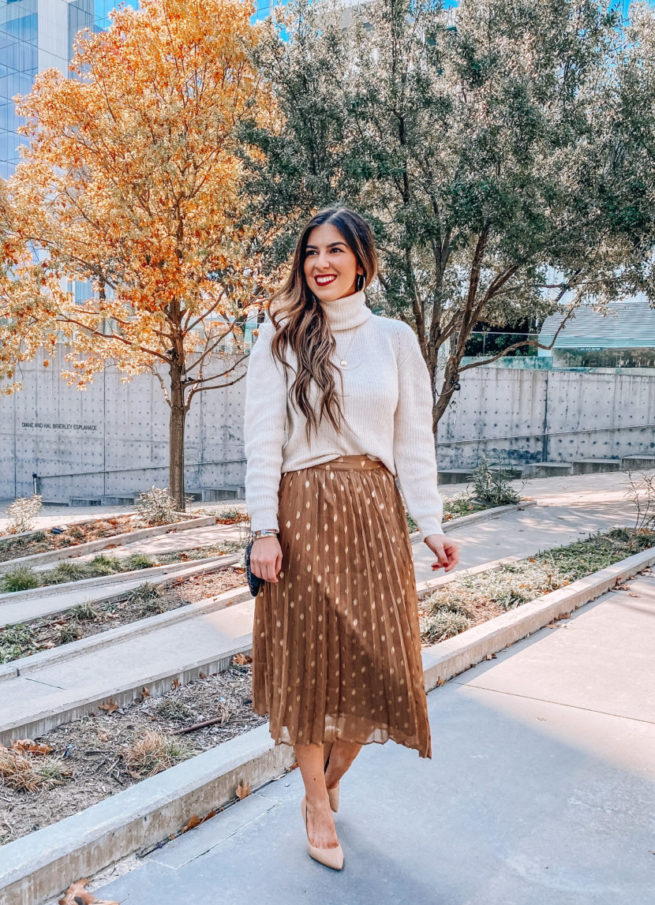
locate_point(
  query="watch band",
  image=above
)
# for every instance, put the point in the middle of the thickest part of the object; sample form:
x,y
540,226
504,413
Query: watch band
x,y
263,532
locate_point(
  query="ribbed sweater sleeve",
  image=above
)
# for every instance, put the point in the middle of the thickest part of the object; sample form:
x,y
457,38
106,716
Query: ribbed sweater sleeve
x,y
414,448
264,430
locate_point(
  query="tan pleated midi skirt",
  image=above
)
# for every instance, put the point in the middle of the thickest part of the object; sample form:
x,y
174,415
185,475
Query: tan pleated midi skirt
x,y
336,642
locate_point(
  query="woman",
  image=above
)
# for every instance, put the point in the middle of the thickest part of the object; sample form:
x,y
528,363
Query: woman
x,y
338,402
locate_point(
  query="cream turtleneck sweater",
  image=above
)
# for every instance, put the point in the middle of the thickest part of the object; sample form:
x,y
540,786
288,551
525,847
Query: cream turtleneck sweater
x,y
387,406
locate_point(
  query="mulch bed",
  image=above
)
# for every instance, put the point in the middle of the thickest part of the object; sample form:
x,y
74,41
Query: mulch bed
x,y
94,757
43,540
469,600
82,622
55,538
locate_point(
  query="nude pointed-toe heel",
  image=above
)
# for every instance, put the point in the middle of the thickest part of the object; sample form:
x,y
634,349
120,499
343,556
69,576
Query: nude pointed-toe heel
x,y
330,857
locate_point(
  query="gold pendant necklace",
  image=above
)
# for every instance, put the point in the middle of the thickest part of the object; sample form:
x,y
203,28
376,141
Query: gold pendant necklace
x,y
344,362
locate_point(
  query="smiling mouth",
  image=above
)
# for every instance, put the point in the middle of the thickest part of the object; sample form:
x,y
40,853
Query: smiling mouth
x,y
323,281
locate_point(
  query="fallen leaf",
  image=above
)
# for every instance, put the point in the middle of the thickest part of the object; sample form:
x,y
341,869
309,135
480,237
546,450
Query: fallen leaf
x,y
145,692
110,706
191,823
242,659
243,789
27,744
175,683
78,894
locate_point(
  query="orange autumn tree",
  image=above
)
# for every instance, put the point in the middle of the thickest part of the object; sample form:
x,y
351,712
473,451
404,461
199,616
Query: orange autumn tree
x,y
133,181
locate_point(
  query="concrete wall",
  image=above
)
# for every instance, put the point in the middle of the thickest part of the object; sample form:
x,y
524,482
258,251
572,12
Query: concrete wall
x,y
535,415
112,439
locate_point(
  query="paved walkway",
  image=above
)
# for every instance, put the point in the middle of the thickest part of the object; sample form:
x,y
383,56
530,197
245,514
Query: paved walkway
x,y
540,791
567,509
601,486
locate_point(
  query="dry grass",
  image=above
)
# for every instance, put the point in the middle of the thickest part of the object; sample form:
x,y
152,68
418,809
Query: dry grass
x,y
151,753
25,773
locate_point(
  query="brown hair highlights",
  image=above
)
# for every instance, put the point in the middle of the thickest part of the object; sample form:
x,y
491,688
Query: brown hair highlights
x,y
305,329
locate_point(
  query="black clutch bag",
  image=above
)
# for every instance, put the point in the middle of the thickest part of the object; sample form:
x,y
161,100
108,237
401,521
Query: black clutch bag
x,y
254,581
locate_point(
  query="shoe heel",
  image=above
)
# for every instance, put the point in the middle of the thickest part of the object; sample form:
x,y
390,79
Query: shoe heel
x,y
330,857
333,795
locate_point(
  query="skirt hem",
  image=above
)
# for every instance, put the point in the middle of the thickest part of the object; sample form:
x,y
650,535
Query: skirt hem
x,y
391,736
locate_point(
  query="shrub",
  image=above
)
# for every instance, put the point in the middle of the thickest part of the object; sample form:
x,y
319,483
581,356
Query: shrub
x,y
642,494
491,488
152,753
444,624
105,565
16,641
173,710
137,561
65,571
149,596
84,612
156,506
21,578
23,773
69,632
22,512
144,593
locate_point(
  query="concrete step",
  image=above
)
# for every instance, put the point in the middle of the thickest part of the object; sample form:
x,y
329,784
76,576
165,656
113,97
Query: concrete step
x,y
590,466
127,538
54,687
454,475
227,492
637,462
168,543
511,472
24,606
550,469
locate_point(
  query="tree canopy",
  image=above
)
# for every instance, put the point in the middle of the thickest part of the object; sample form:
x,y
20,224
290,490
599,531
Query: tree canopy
x,y
133,181
481,144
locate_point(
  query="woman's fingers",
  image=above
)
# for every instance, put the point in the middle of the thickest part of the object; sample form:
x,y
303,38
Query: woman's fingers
x,y
266,558
452,552
445,550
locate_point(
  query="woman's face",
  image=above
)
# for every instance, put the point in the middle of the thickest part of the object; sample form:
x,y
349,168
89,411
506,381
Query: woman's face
x,y
330,266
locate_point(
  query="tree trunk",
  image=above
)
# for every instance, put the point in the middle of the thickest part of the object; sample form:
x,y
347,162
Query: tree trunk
x,y
176,438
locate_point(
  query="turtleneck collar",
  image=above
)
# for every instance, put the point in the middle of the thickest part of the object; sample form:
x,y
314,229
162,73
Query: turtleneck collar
x,y
347,312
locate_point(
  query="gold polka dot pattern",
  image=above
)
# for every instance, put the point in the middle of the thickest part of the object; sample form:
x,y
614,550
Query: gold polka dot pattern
x,y
336,643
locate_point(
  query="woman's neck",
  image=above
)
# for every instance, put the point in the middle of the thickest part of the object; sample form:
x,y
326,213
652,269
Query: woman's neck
x,y
347,312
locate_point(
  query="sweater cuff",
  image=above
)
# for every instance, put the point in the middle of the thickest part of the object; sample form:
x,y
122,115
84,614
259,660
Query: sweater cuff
x,y
264,518
432,526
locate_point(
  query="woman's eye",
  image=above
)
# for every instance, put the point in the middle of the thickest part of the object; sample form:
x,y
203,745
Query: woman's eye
x,y
311,251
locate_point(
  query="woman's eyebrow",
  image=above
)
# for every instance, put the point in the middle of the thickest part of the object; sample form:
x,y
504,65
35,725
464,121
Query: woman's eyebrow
x,y
330,244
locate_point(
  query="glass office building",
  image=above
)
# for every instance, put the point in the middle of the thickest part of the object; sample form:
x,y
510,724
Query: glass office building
x,y
38,34
35,35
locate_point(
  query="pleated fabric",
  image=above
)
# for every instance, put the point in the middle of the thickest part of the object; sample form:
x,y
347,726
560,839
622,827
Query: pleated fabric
x,y
336,642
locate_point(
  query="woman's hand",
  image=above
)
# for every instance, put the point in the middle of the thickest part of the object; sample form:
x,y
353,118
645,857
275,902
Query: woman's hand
x,y
446,551
266,558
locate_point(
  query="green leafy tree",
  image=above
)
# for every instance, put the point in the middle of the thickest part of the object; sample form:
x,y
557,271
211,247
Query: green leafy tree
x,y
477,142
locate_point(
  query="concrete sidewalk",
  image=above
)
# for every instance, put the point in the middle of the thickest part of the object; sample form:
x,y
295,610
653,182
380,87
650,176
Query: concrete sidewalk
x,y
540,791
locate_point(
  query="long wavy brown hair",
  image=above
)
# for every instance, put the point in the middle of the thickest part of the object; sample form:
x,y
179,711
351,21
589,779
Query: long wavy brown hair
x,y
300,323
